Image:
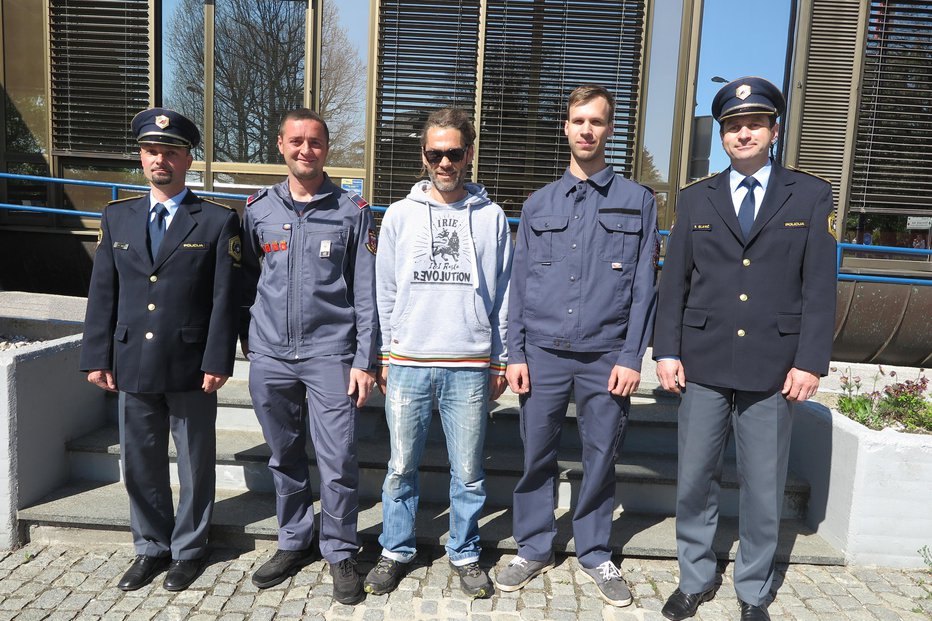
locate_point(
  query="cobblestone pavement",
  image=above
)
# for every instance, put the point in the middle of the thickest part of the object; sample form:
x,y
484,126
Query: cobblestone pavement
x,y
62,582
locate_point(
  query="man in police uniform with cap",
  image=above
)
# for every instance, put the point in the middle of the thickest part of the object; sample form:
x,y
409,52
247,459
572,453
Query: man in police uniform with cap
x,y
309,326
580,315
160,328
744,332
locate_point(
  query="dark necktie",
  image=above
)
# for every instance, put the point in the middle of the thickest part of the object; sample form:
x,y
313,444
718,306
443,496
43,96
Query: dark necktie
x,y
746,211
157,229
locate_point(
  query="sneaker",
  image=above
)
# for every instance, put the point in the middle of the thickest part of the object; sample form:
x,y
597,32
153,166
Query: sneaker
x,y
520,571
347,587
385,576
282,565
473,581
611,585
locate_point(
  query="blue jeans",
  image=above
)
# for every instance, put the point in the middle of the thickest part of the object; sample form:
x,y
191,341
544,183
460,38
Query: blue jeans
x,y
462,395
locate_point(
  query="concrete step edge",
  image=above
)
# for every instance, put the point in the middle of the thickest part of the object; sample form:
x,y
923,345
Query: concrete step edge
x,y
250,516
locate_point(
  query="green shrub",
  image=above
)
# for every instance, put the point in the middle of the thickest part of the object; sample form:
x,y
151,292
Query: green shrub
x,y
902,405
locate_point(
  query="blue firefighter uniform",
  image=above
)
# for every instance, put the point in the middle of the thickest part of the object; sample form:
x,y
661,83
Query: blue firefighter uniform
x,y
582,301
310,316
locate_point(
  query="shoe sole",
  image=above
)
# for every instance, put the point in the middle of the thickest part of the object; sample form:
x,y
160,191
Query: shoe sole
x,y
508,588
619,603
705,598
292,571
374,590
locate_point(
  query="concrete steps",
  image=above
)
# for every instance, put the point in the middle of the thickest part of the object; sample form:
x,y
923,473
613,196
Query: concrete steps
x,y
246,519
95,501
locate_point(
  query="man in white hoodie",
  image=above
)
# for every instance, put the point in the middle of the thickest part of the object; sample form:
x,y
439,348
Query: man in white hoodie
x,y
442,275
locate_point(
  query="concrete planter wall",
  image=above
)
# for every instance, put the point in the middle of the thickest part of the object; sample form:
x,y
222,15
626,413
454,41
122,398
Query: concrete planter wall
x,y
44,403
871,491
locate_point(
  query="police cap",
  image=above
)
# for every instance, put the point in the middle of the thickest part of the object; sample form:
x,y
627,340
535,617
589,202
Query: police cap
x,y
164,126
750,95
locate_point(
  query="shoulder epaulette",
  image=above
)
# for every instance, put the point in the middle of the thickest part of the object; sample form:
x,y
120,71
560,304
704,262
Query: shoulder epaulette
x,y
207,200
128,198
806,172
698,180
357,200
253,198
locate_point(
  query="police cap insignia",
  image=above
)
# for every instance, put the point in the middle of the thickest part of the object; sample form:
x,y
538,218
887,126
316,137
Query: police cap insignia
x,y
742,92
235,248
161,121
372,243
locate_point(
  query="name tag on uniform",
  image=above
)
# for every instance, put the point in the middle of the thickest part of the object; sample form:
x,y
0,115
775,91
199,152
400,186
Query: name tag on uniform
x,y
795,224
121,245
702,227
616,266
324,248
194,246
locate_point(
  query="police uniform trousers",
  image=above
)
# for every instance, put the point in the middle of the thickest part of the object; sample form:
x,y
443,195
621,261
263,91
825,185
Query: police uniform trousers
x,y
146,419
602,420
289,396
762,425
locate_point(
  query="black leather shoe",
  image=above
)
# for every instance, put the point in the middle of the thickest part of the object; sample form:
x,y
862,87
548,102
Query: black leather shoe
x,y
753,613
282,565
684,605
182,573
142,571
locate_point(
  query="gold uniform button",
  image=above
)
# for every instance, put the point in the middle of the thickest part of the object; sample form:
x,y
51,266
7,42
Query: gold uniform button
x,y
743,297
149,336
151,307
741,332
746,262
153,278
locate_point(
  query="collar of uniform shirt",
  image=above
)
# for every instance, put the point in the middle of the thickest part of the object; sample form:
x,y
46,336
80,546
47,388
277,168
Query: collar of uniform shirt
x,y
763,178
600,179
171,205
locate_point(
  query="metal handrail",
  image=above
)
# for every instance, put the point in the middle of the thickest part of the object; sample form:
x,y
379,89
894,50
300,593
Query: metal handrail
x,y
116,187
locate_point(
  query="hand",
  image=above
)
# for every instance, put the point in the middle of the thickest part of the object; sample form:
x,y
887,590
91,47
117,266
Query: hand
x,y
360,384
102,379
497,385
381,379
623,381
212,383
244,345
800,385
671,375
519,380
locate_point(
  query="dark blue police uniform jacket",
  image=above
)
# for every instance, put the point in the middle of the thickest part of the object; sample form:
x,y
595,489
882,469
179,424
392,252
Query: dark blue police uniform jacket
x,y
741,314
160,325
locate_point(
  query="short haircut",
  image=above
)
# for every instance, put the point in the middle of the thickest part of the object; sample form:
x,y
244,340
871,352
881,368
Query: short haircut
x,y
453,118
303,114
588,92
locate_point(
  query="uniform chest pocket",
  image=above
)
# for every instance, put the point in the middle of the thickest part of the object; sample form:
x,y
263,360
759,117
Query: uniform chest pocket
x,y
275,241
324,253
547,241
618,238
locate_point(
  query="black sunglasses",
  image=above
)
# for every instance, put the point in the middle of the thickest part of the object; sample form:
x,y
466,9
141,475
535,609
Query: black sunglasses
x,y
434,157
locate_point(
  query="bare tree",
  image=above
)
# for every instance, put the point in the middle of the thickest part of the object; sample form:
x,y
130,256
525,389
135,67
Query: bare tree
x,y
259,74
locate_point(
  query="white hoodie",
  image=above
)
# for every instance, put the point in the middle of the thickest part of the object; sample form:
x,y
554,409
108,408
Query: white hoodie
x,y
442,281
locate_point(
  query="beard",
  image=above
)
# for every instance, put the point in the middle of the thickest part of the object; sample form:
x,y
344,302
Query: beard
x,y
443,185
162,177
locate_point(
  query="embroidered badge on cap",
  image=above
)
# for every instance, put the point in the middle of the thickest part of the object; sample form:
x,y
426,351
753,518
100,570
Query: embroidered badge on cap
x,y
743,92
162,121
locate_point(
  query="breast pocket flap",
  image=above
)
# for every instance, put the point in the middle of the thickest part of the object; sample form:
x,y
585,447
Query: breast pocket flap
x,y
541,224
621,224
